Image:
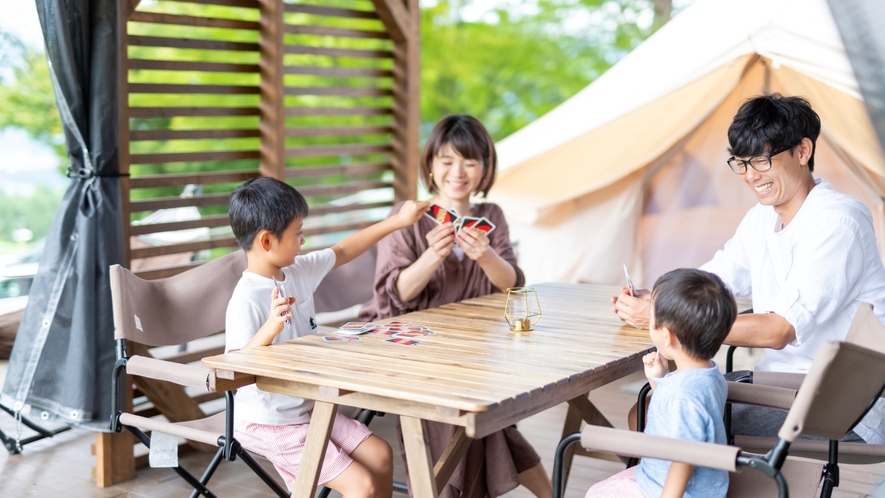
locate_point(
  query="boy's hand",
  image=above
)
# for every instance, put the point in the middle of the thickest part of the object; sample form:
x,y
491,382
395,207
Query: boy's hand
x,y
473,242
441,240
411,212
655,366
280,311
275,322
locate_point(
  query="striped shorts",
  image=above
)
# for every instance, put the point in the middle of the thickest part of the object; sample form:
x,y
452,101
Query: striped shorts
x,y
283,445
621,485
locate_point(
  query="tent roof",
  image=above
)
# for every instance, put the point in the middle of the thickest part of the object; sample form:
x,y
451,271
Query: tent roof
x,y
665,88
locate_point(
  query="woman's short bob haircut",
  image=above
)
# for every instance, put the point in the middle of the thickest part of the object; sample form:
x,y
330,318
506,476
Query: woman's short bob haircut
x,y
470,139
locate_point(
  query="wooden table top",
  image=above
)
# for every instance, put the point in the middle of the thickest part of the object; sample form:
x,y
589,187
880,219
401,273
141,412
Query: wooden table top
x,y
473,365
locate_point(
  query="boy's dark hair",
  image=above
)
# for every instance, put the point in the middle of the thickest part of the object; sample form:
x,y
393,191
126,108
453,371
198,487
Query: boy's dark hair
x,y
264,203
773,122
697,307
470,139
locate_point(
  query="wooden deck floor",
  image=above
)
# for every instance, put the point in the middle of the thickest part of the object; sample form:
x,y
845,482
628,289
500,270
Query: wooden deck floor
x,y
62,466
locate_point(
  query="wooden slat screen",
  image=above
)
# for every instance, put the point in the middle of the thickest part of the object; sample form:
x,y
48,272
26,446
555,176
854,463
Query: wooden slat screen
x,y
320,94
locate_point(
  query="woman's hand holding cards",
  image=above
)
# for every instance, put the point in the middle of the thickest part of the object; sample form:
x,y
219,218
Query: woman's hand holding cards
x,y
473,242
441,239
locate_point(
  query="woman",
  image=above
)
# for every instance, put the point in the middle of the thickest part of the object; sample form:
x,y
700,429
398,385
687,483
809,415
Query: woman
x,y
428,265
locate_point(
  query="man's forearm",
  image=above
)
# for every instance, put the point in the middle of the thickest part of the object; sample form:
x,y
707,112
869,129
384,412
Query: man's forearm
x,y
762,330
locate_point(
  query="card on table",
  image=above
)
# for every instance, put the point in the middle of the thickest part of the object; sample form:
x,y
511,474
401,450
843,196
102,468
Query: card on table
x,y
417,328
414,333
356,328
383,331
397,324
339,338
442,215
403,341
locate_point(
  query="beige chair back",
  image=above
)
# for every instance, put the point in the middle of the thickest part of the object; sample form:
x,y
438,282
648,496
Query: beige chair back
x,y
866,329
348,285
836,392
177,309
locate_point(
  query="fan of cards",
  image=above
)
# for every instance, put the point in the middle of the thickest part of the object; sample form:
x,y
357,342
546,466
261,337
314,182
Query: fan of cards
x,y
442,215
402,333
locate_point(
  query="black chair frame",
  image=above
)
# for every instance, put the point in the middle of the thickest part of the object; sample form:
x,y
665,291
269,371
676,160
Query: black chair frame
x,y
229,448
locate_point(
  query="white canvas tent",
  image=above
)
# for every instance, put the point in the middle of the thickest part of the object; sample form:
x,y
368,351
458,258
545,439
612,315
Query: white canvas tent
x,y
632,168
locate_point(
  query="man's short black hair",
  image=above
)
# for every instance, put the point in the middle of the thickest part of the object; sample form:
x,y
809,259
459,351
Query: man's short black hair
x,y
697,307
769,123
264,203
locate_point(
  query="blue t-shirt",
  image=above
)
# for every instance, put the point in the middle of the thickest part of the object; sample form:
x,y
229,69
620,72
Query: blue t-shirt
x,y
687,405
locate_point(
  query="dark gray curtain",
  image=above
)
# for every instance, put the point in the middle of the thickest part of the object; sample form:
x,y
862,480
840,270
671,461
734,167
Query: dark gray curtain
x,y
63,355
862,26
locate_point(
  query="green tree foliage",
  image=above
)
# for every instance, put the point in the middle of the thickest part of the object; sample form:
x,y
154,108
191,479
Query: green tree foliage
x,y
514,65
26,97
34,212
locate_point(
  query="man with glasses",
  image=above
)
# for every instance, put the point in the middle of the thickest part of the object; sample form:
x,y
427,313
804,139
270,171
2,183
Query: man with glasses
x,y
806,253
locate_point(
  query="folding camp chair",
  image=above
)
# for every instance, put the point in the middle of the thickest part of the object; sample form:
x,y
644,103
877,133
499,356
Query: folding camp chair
x,y
866,330
173,311
822,407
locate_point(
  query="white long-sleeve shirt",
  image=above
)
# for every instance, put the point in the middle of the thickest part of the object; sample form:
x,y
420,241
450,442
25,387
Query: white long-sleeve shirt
x,y
814,273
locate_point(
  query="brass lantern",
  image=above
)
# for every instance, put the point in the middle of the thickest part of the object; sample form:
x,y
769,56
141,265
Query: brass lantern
x,y
522,309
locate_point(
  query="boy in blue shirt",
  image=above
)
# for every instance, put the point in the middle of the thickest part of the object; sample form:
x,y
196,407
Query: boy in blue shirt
x,y
266,216
691,313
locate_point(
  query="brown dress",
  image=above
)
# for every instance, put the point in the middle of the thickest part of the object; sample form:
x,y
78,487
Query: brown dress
x,y
492,463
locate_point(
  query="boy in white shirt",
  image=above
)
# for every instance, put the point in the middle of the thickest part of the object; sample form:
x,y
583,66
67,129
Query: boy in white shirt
x,y
266,216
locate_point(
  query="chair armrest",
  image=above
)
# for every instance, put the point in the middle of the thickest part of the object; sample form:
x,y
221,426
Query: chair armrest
x,y
755,394
788,380
638,444
185,375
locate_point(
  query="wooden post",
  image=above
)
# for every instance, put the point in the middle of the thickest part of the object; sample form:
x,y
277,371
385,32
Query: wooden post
x,y
406,100
272,160
114,458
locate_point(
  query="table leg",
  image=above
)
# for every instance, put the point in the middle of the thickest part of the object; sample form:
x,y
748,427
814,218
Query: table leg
x,y
314,449
450,458
418,458
581,408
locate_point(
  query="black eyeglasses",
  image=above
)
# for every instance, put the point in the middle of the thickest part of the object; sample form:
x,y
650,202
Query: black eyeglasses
x,y
759,163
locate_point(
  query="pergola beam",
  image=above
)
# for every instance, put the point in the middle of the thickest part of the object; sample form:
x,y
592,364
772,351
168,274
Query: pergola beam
x,y
396,19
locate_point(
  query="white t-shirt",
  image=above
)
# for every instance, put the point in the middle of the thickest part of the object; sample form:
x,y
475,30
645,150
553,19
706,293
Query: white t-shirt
x,y
247,311
814,273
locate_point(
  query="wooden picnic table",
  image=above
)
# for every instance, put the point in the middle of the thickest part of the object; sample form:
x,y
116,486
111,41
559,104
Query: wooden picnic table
x,y
473,373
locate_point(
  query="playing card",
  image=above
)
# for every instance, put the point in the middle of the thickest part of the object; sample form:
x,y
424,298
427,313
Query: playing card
x,y
353,325
441,215
629,281
403,341
382,331
416,328
397,324
356,328
414,333
481,224
339,338
282,293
